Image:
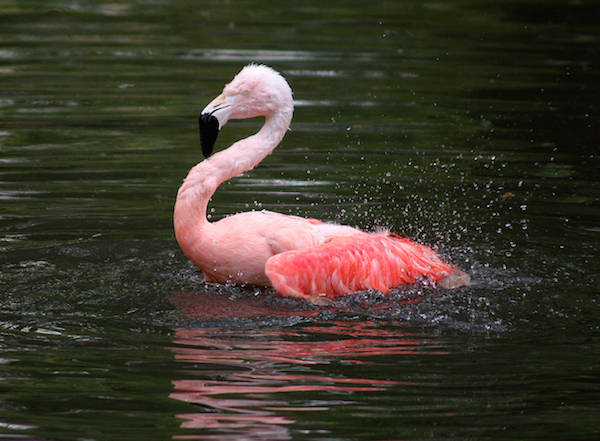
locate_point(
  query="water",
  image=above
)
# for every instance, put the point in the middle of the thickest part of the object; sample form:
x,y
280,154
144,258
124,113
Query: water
x,y
469,126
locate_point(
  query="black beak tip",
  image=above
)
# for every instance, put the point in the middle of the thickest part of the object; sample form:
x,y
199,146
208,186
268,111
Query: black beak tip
x,y
209,130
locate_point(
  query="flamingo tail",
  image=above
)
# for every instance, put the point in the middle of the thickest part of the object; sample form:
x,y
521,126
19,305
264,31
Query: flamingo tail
x,y
348,264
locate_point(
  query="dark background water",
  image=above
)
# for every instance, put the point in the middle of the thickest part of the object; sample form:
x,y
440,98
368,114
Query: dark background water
x,y
469,126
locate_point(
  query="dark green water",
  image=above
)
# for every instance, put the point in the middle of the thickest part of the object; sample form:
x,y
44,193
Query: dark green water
x,y
470,126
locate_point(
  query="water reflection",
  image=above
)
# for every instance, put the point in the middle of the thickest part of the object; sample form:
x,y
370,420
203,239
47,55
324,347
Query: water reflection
x,y
255,384
263,55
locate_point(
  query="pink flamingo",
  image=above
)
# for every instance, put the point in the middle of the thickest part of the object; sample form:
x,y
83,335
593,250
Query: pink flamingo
x,y
299,257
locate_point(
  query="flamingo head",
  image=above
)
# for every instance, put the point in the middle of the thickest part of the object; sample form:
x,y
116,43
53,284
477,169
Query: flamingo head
x,y
257,90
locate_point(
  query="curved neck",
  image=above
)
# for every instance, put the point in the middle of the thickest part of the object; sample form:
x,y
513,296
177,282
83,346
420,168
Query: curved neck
x,y
203,179
245,154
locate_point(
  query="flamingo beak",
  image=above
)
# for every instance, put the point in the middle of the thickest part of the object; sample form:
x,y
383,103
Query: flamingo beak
x,y
213,117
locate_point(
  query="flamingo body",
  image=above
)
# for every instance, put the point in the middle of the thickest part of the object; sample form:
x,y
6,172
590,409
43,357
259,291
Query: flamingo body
x,y
297,256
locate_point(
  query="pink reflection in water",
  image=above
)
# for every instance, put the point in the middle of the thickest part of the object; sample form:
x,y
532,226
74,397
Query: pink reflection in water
x,y
215,306
250,384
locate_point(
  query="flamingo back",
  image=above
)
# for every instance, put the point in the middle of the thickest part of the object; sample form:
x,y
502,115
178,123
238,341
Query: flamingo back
x,y
347,264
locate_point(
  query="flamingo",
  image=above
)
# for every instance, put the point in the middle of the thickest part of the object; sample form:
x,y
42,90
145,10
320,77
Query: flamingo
x,y
299,257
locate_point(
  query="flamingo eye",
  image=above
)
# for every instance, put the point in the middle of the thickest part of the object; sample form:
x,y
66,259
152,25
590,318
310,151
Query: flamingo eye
x,y
245,92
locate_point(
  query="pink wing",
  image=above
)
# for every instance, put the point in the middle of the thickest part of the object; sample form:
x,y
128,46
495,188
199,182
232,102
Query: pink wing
x,y
353,263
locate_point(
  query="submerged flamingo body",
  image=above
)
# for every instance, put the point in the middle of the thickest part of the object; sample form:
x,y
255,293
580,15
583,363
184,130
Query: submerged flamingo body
x,y
297,256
